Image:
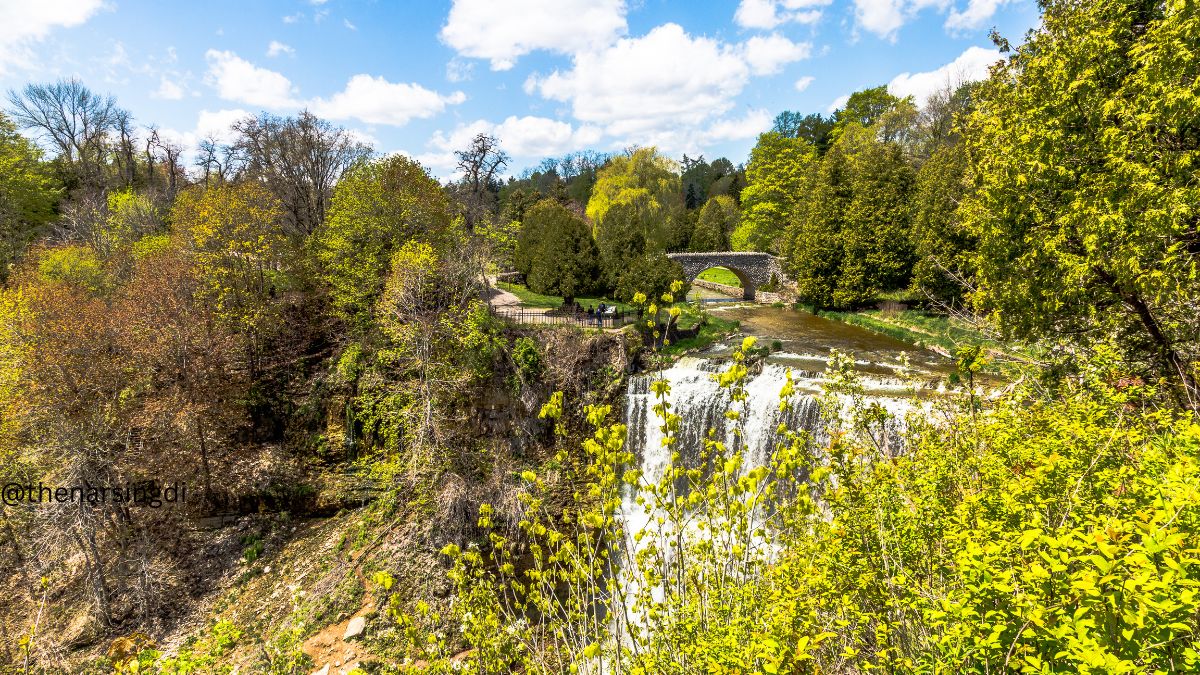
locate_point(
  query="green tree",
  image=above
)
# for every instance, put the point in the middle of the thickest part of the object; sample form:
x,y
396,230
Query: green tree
x,y
376,208
28,195
865,107
621,236
652,274
944,249
814,253
648,181
564,261
718,219
777,178
876,237
1083,148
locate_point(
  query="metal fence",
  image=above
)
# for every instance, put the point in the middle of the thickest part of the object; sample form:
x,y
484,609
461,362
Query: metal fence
x,y
582,319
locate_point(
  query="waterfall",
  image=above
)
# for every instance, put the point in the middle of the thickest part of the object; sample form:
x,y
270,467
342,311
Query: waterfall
x,y
701,404
696,397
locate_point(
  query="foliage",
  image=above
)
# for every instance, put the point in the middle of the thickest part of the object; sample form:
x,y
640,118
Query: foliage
x,y
777,178
75,265
28,195
647,182
563,259
942,246
851,241
865,108
1083,146
652,273
718,220
376,208
241,257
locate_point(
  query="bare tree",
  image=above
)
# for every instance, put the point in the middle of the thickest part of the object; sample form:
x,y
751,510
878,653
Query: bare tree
x,y
72,118
479,184
299,159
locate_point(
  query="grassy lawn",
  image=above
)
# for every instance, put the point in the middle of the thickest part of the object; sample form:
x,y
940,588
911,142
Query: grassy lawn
x,y
712,331
531,299
720,275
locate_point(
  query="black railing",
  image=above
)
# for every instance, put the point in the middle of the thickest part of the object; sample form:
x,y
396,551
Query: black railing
x,y
614,319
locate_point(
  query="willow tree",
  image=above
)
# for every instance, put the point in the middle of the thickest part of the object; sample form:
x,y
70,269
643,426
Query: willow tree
x,y
1084,148
650,185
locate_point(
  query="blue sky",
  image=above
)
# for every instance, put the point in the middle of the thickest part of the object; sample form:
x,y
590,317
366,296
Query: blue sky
x,y
545,76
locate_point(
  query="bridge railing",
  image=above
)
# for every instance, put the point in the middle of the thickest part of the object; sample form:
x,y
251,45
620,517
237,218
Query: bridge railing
x,y
582,319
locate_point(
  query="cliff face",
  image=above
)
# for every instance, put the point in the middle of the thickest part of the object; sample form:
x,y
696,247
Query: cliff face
x,y
271,579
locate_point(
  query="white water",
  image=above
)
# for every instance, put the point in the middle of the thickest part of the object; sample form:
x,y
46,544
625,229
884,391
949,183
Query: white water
x,y
700,402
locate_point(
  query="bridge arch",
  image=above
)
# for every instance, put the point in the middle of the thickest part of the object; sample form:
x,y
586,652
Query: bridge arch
x,y
752,269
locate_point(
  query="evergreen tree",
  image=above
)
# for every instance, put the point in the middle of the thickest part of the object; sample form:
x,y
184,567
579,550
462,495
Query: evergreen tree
x,y
942,246
716,223
564,261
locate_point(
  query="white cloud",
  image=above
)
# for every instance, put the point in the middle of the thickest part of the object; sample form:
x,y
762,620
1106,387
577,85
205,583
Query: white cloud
x,y
239,80
374,100
664,79
276,48
218,124
767,55
970,66
751,125
459,70
767,14
526,139
349,25
885,17
168,90
837,104
22,24
504,31
974,16
293,18
802,83
881,17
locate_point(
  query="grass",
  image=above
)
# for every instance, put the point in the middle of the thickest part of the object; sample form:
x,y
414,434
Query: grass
x,y
531,299
712,331
720,275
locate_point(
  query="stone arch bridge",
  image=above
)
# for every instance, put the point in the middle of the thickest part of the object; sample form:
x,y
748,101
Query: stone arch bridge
x,y
752,269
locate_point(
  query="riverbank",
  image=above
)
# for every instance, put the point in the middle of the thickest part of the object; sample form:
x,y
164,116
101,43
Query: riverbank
x,y
936,332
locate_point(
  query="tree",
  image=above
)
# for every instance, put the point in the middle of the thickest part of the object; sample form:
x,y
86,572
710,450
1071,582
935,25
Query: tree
x,y
376,207
623,235
651,273
27,195
814,128
865,107
944,249
649,182
564,261
480,163
241,257
814,254
777,179
876,239
76,121
300,160
1082,148
718,219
